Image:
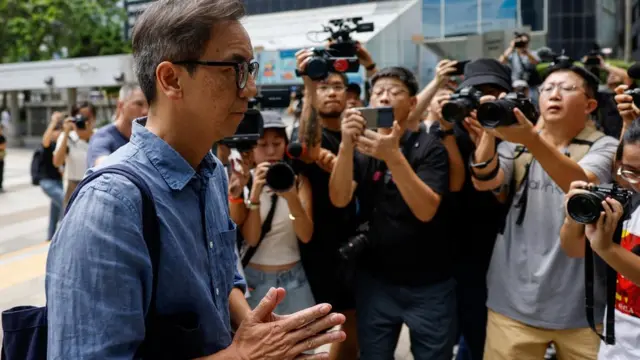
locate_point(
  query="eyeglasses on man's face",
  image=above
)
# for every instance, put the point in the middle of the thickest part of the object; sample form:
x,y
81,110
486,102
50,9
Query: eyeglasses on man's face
x,y
565,89
632,177
244,69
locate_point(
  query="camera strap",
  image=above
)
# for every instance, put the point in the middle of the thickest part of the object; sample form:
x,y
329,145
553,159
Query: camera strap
x,y
611,281
266,227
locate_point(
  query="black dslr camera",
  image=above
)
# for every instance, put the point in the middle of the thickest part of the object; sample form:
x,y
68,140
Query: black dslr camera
x,y
80,121
356,244
500,112
520,43
585,208
280,177
460,104
635,93
341,54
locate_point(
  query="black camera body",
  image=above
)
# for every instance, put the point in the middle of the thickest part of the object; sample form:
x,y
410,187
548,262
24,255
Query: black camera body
x,y
585,208
325,61
248,132
500,112
519,44
80,121
356,244
340,56
460,104
635,93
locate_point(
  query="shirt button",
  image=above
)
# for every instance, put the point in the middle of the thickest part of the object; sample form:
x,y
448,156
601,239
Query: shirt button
x,y
211,244
217,292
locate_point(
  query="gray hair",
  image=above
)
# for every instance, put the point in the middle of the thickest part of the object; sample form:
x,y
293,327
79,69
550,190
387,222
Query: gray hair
x,y
126,91
176,30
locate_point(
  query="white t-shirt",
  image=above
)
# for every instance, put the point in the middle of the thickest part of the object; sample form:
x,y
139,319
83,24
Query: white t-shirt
x,y
627,313
280,245
75,164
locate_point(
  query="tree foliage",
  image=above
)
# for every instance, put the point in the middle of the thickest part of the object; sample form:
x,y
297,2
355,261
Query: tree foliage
x,y
32,30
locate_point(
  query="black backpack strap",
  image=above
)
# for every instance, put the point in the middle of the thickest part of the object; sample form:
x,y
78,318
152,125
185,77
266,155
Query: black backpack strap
x,y
266,227
611,279
150,230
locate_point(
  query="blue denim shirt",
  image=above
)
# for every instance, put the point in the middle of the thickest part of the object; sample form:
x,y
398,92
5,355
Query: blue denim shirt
x,y
99,275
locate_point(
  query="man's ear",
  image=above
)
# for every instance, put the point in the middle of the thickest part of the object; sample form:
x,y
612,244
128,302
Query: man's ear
x,y
413,102
168,80
592,105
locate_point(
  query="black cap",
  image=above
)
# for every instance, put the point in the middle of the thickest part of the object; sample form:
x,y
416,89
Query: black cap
x,y
487,72
565,63
354,88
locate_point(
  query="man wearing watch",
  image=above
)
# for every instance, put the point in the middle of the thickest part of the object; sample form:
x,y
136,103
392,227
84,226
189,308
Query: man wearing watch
x,y
535,291
481,211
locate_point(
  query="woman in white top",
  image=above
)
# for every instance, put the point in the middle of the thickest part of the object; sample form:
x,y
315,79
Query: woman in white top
x,y
71,152
276,262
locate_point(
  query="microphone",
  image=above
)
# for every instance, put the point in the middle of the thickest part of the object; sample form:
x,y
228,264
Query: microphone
x,y
634,71
296,150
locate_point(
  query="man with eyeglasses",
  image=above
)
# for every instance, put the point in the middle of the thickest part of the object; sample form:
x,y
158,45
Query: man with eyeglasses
x,y
535,291
194,64
405,265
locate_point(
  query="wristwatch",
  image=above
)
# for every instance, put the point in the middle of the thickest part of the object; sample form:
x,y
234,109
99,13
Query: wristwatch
x,y
252,205
482,165
443,133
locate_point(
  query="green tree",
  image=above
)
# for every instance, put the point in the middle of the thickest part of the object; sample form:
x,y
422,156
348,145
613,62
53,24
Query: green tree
x,y
32,30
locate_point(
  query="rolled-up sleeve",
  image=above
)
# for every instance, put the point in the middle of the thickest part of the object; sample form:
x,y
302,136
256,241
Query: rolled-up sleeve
x,y
239,281
98,275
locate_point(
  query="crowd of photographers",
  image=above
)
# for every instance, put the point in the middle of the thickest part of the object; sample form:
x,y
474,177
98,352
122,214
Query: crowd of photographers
x,y
443,208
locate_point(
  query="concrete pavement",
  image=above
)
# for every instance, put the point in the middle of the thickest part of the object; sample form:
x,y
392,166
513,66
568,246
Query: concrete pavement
x,y
24,216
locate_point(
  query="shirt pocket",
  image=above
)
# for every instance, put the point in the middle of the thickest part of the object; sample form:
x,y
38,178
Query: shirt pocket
x,y
227,264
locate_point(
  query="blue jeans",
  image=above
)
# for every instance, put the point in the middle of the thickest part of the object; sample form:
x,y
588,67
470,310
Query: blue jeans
x,y
53,189
429,312
294,280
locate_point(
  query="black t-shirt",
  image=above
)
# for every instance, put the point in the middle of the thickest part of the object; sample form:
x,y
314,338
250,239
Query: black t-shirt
x,y
332,226
478,215
608,118
47,169
402,249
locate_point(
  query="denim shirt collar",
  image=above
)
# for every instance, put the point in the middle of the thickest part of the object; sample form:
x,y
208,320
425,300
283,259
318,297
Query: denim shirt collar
x,y
173,168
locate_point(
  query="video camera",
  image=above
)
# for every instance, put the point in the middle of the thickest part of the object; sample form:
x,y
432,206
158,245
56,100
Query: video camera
x,y
460,104
585,208
500,112
340,56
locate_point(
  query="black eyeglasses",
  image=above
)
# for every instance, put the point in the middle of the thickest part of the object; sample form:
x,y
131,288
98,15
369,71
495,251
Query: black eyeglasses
x,y
244,69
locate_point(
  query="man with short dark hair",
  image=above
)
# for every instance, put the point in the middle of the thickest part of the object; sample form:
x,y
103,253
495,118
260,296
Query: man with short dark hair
x,y
404,267
99,273
353,96
131,105
535,291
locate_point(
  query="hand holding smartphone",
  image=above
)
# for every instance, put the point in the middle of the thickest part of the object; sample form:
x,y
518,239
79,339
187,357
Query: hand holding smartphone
x,y
381,117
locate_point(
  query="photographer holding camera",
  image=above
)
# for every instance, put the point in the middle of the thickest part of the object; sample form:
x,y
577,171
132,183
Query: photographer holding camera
x,y
482,212
72,147
324,102
284,200
522,61
402,179
622,254
531,171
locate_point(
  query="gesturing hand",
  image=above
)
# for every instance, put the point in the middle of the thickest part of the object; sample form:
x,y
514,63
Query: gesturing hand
x,y
443,71
266,336
628,111
353,125
380,146
239,177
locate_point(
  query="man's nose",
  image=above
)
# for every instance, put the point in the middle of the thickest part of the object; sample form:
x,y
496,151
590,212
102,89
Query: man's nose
x,y
145,111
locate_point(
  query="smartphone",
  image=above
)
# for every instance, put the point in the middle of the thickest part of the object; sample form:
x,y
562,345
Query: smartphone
x,y
381,117
460,67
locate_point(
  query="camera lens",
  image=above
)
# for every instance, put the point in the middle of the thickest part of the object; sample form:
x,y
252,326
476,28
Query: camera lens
x,y
585,208
353,247
317,68
280,177
496,113
456,110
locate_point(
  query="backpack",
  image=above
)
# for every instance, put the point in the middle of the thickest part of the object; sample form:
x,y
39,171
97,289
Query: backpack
x,y
25,327
36,166
523,159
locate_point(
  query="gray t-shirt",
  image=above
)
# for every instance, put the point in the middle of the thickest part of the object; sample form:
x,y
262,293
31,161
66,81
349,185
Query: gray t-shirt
x,y
517,69
531,279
